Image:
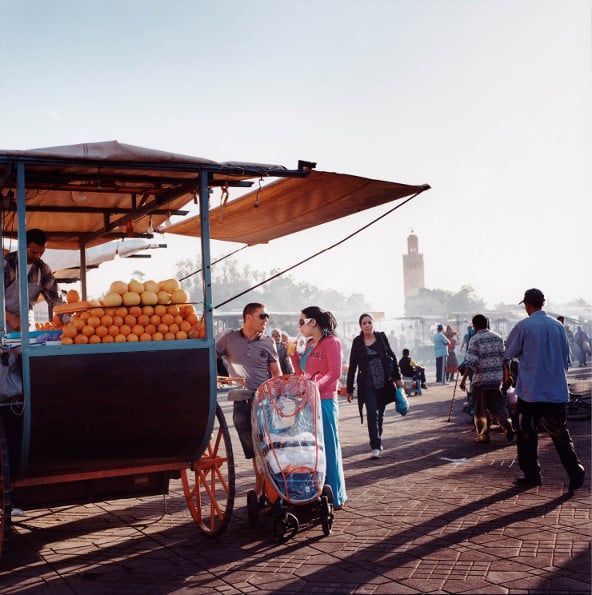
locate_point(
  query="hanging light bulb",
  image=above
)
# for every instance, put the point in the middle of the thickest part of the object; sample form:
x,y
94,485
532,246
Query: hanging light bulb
x,y
165,224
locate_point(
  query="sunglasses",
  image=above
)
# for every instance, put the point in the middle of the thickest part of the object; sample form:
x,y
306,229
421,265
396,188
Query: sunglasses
x,y
304,321
263,315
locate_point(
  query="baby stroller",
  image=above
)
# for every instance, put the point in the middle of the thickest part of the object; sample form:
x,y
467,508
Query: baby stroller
x,y
289,453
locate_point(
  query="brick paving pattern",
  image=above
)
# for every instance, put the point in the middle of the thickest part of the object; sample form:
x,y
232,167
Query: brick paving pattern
x,y
436,514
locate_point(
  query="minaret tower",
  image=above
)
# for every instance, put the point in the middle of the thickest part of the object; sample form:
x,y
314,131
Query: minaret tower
x,y
413,278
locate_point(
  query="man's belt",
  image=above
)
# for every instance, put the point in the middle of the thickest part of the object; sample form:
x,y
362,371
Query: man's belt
x,y
241,394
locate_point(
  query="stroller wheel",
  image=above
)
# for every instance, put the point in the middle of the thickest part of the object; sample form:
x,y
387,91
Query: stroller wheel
x,y
326,515
286,526
328,492
253,508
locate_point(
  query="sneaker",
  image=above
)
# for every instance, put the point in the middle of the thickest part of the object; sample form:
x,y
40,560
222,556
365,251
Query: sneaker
x,y
17,512
481,440
376,454
424,386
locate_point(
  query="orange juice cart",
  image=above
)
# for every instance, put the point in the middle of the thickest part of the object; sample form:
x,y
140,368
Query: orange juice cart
x,y
113,419
121,419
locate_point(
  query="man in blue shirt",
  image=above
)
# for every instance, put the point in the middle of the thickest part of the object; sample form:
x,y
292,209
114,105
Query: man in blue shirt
x,y
441,351
542,346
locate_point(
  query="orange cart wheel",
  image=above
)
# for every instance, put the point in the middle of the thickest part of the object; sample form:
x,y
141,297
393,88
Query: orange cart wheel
x,y
209,486
5,500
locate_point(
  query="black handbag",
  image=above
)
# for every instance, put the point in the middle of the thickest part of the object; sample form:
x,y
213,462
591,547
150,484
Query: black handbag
x,y
390,362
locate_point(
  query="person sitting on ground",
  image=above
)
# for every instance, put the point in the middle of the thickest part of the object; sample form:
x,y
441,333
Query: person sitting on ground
x,y
410,369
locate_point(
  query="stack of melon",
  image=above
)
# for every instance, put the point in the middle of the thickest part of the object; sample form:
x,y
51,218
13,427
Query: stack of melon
x,y
136,311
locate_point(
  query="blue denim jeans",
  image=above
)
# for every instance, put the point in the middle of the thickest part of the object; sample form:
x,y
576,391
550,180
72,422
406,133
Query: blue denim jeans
x,y
374,416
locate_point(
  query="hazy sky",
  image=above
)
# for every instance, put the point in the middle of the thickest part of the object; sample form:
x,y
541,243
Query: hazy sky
x,y
489,102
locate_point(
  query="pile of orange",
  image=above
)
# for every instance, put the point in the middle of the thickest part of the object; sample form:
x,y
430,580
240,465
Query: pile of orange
x,y
133,323
49,326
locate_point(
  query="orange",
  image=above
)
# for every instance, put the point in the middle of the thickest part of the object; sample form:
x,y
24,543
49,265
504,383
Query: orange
x,y
94,339
178,319
150,329
169,336
160,310
137,329
109,311
172,309
107,339
121,311
101,331
130,320
67,341
88,330
135,310
162,328
94,321
143,319
145,337
125,329
72,296
157,336
155,319
167,319
132,338
174,328
97,312
120,338
107,320
117,320
192,319
81,339
148,310
85,315
69,331
187,309
113,330
185,326
181,335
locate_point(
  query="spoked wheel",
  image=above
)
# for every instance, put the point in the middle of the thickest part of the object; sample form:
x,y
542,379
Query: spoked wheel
x,y
253,508
5,498
327,515
209,486
285,526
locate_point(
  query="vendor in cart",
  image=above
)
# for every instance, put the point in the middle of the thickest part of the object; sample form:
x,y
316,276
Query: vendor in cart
x,y
40,281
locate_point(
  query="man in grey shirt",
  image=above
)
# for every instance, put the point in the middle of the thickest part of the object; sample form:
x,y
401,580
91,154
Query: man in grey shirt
x,y
252,356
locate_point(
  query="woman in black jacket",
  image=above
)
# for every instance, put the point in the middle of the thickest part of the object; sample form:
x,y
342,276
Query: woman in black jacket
x,y
376,364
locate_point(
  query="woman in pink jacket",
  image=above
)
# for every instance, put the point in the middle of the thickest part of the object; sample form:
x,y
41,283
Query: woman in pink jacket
x,y
321,362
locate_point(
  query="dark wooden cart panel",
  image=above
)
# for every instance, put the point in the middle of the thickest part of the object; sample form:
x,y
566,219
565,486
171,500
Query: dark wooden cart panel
x,y
102,411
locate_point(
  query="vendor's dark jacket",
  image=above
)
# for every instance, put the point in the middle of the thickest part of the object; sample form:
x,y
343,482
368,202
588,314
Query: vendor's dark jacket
x,y
358,360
